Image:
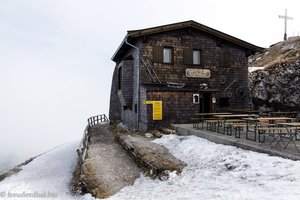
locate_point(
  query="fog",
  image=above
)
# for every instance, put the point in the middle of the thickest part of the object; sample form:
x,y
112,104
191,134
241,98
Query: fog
x,y
55,67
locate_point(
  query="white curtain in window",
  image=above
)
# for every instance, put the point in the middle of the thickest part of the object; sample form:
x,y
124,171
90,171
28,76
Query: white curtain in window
x,y
167,55
196,57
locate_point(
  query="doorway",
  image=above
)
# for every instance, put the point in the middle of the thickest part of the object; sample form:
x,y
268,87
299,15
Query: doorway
x,y
205,103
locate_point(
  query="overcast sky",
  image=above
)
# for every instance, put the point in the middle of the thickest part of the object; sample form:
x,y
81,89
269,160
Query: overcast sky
x,y
55,67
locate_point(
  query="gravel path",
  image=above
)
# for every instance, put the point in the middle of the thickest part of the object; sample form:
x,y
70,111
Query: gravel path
x,y
108,167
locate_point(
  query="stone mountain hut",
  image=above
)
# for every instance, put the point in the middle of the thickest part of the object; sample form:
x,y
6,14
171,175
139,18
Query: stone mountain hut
x,y
165,74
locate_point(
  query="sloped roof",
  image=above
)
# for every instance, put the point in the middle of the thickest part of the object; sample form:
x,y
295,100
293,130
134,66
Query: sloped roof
x,y
187,24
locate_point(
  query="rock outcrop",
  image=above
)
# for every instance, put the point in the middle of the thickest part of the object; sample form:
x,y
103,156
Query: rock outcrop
x,y
277,84
155,159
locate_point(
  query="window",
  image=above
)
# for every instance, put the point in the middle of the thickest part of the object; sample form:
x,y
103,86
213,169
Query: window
x,y
120,78
162,54
167,55
192,57
224,102
224,58
196,57
135,108
195,98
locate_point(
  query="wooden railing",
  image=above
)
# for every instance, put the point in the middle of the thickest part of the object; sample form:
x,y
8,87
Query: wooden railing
x,y
83,146
92,121
82,149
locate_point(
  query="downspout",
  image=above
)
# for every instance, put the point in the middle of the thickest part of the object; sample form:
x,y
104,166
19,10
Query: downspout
x,y
137,82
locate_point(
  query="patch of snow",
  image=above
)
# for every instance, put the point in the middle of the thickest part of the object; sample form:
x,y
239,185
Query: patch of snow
x,y
213,172
219,172
47,177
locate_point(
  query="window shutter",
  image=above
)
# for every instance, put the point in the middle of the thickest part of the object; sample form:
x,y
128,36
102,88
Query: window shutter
x,y
120,78
202,59
188,56
157,54
224,58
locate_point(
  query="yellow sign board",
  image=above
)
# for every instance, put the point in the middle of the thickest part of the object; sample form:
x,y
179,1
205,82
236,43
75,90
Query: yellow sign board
x,y
148,102
157,109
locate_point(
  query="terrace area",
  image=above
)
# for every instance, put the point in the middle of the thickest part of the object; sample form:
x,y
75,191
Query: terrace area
x,y
273,135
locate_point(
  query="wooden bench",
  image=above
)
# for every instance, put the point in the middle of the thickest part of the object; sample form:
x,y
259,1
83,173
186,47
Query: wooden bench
x,y
279,134
265,123
228,125
196,121
238,128
275,131
211,124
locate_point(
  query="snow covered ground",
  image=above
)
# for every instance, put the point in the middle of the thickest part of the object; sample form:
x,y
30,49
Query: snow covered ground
x,y
219,172
46,177
213,172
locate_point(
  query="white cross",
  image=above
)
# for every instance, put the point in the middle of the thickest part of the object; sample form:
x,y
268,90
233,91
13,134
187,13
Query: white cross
x,y
285,17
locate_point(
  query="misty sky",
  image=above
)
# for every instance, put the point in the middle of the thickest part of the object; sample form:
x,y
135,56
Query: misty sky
x,y
55,67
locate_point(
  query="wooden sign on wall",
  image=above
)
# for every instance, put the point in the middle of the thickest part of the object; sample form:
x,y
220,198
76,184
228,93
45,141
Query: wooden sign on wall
x,y
197,73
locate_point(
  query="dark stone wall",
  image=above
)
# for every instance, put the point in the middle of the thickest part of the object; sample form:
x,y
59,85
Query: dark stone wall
x,y
125,100
115,106
143,110
127,87
178,105
236,74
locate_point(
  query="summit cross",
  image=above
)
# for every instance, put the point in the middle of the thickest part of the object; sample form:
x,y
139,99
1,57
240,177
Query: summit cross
x,y
285,17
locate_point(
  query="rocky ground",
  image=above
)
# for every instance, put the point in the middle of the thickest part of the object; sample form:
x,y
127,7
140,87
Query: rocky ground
x,y
276,84
109,167
156,160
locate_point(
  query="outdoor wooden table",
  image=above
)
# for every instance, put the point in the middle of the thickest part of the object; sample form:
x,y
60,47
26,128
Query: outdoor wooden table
x,y
296,125
293,132
273,119
207,115
293,124
291,114
241,111
210,114
225,117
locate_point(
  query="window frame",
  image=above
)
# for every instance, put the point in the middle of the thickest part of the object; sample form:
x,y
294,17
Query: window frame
x,y
170,57
120,74
188,57
200,56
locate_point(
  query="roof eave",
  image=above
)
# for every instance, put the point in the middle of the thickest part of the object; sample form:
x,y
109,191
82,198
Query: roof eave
x,y
113,58
196,25
191,23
